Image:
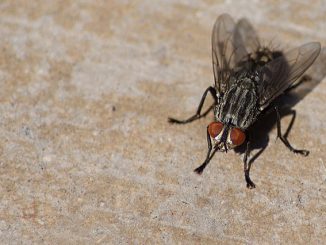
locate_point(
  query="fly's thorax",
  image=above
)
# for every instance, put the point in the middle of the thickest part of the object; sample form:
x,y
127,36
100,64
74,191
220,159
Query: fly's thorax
x,y
238,106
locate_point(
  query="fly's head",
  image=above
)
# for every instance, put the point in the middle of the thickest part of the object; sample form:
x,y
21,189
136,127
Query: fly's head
x,y
225,136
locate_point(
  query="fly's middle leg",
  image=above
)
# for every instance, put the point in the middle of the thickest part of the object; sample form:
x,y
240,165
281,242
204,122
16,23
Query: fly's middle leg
x,y
284,137
200,106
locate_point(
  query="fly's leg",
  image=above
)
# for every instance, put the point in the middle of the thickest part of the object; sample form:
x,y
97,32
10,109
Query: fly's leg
x,y
200,106
284,139
247,166
209,156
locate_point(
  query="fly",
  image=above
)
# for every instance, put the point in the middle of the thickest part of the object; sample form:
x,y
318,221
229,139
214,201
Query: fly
x,y
249,78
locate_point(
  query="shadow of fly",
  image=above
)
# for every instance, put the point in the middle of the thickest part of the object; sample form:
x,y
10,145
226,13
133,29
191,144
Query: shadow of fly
x,y
249,79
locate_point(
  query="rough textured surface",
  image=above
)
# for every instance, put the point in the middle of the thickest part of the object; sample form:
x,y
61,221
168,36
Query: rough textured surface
x,y
87,155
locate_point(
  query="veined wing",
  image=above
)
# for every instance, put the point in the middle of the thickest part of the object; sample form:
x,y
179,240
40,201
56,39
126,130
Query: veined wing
x,y
281,73
247,39
225,51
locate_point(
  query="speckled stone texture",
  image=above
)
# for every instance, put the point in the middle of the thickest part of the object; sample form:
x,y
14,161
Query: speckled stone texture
x,y
87,155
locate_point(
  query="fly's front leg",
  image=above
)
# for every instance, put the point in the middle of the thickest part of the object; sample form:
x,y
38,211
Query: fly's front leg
x,y
200,106
247,166
209,156
284,139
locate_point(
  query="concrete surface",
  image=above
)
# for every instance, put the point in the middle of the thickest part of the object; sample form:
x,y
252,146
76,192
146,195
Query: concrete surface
x,y
87,155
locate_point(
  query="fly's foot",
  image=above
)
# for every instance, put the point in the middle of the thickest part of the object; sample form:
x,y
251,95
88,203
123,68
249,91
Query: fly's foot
x,y
302,152
250,184
173,120
200,169
194,117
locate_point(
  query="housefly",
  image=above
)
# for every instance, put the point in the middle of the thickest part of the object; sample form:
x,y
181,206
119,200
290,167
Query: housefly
x,y
249,78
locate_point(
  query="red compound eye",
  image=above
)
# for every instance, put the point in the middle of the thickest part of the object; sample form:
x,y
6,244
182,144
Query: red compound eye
x,y
215,128
237,136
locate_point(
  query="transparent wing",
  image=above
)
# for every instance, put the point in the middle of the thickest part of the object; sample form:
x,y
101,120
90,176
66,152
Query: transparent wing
x,y
225,51
247,39
281,73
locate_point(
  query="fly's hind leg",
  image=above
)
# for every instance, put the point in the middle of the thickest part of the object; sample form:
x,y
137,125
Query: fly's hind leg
x,y
200,106
284,137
